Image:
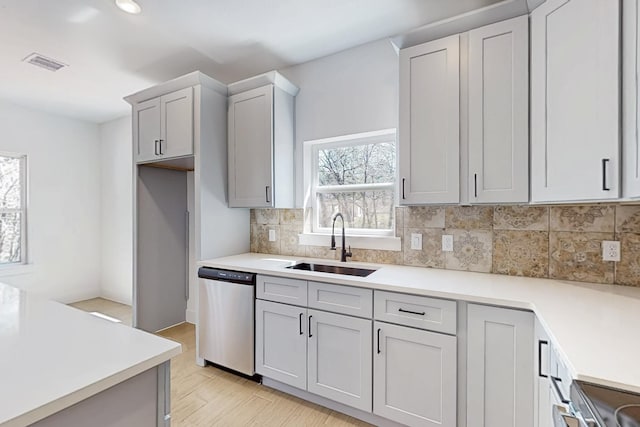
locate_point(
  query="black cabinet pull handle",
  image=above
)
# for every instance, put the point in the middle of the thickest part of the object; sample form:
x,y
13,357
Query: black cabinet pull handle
x,y
403,189
301,331
555,381
379,340
604,175
419,313
475,185
540,344
266,194
155,147
310,326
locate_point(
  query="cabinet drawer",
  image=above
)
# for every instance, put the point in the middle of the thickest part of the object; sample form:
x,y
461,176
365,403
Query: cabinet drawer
x,y
279,289
341,299
420,312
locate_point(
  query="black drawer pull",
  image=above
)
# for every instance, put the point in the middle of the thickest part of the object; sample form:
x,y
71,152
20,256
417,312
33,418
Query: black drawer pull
x,y
554,382
378,340
605,187
402,310
310,326
540,344
301,331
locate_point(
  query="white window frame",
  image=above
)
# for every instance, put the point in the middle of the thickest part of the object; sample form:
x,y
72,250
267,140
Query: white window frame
x,y
311,150
22,210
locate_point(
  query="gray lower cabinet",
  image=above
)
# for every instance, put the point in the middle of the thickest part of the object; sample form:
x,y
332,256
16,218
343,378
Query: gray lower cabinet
x,y
500,374
281,343
414,376
339,358
544,395
324,353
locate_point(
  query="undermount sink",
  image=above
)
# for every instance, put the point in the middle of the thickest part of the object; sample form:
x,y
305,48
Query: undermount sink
x,y
334,269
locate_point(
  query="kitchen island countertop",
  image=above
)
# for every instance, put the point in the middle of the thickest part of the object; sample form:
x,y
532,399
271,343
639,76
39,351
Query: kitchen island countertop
x,y
53,356
594,327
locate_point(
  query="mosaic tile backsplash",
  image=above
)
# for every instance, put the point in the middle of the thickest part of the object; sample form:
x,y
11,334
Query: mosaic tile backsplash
x,y
561,242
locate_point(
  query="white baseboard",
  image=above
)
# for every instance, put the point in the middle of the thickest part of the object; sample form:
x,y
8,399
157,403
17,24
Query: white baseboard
x,y
192,316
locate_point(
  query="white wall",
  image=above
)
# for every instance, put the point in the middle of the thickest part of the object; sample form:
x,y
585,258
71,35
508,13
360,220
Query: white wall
x,y
63,203
116,213
350,92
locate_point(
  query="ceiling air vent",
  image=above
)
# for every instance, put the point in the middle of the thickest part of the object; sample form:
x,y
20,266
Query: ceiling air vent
x,y
44,62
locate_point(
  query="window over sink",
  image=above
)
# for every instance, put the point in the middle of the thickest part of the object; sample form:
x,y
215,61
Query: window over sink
x,y
354,175
12,209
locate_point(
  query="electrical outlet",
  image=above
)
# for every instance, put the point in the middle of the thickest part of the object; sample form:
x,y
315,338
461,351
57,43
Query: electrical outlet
x,y
272,235
447,242
610,250
416,241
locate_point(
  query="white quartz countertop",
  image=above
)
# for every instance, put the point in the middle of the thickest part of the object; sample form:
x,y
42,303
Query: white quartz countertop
x,y
594,327
53,356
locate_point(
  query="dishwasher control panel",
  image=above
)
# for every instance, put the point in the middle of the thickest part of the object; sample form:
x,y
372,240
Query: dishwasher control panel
x,y
226,275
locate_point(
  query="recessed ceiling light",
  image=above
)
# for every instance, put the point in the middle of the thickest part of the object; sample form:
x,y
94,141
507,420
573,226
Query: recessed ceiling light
x,y
129,6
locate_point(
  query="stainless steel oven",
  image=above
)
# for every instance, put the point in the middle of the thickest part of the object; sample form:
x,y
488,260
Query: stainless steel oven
x,y
593,405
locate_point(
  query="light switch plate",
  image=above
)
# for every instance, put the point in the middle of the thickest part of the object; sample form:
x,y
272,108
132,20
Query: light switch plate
x,y
610,250
447,243
416,241
272,235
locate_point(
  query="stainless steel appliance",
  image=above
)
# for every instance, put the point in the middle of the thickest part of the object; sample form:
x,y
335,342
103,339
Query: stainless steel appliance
x,y
593,405
226,318
605,407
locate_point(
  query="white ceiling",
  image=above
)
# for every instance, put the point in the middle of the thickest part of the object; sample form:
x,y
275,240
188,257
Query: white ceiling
x,y
112,54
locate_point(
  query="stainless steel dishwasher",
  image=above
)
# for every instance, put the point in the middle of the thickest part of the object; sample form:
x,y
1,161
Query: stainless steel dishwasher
x,y
226,318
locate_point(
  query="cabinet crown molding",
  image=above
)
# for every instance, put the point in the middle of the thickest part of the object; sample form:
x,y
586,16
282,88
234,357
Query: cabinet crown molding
x,y
500,11
272,77
192,79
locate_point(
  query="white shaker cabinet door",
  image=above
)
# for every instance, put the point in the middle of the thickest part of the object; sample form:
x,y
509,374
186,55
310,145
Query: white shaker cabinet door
x,y
499,112
542,370
575,100
414,376
251,148
631,99
146,129
177,123
339,360
429,122
281,343
500,367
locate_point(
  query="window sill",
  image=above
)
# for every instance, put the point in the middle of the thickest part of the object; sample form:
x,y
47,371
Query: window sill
x,y
382,243
15,269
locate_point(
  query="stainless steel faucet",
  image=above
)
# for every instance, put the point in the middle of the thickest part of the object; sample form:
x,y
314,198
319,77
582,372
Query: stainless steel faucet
x,y
345,253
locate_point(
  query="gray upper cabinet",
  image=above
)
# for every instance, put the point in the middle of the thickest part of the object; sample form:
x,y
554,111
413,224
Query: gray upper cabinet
x,y
163,126
631,99
464,117
429,136
261,140
498,119
575,100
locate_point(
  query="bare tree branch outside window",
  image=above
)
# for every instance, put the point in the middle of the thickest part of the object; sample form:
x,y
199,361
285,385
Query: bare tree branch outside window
x,y
358,181
12,210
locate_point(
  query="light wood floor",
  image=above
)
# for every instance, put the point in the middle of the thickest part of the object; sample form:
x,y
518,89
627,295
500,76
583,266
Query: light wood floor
x,y
205,397
113,309
212,397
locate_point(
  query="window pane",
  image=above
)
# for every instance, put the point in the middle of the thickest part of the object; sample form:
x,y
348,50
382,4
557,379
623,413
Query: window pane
x,y
362,209
10,182
10,228
359,164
